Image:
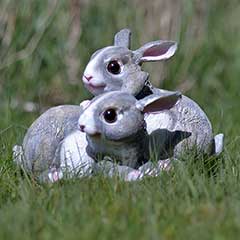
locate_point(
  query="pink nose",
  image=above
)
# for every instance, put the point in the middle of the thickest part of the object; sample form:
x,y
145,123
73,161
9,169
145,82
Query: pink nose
x,y
81,128
88,77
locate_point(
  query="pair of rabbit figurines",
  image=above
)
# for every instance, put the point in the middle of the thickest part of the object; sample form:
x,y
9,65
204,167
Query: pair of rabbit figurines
x,y
118,131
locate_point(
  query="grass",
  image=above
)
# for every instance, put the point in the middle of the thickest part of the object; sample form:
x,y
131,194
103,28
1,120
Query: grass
x,y
187,203
198,200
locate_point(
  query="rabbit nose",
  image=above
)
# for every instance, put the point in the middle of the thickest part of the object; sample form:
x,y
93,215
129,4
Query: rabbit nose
x,y
89,77
81,128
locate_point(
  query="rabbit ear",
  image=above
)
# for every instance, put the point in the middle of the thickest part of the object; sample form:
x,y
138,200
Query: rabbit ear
x,y
123,38
155,51
158,102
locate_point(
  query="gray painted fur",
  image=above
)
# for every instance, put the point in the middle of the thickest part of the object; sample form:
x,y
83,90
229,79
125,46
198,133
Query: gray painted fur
x,y
40,144
123,38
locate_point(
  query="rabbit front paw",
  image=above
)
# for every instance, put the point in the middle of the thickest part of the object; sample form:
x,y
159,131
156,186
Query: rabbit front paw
x,y
55,175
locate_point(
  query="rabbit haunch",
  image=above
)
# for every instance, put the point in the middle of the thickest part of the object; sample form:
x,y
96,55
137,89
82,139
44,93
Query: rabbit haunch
x,y
43,138
124,138
189,122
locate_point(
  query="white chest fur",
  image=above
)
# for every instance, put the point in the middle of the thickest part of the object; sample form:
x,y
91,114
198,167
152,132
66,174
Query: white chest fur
x,y
161,120
73,155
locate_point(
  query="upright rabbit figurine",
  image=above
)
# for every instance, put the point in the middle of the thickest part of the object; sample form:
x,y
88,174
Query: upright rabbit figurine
x,y
116,67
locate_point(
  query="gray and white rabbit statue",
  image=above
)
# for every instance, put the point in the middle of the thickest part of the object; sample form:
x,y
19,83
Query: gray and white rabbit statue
x,y
109,69
116,129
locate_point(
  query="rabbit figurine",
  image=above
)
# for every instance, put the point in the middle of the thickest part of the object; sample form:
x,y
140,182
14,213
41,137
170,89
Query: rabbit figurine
x,y
115,127
116,67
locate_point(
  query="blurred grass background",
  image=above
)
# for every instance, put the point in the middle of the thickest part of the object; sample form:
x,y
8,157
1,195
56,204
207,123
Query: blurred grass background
x,y
44,48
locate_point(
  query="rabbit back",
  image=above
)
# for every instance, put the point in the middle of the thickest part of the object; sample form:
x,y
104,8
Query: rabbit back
x,y
183,127
45,134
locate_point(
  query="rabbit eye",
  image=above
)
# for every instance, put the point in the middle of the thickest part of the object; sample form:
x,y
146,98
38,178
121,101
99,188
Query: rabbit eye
x,y
110,115
114,67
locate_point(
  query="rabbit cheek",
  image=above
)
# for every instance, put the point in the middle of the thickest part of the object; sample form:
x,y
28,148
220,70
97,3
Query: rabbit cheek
x,y
95,90
113,83
112,132
132,87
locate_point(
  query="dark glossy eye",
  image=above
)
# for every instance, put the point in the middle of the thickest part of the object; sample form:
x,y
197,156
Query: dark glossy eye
x,y
110,115
114,67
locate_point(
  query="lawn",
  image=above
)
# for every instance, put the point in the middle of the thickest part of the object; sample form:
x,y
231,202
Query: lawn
x,y
44,48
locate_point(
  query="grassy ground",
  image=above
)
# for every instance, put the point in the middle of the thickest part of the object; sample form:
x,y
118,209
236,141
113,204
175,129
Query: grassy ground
x,y
41,62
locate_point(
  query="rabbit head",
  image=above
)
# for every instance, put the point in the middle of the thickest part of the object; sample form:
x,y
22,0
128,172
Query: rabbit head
x,y
118,68
117,115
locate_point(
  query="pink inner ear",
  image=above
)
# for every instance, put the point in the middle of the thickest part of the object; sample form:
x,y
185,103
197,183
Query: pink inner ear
x,y
161,104
157,50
